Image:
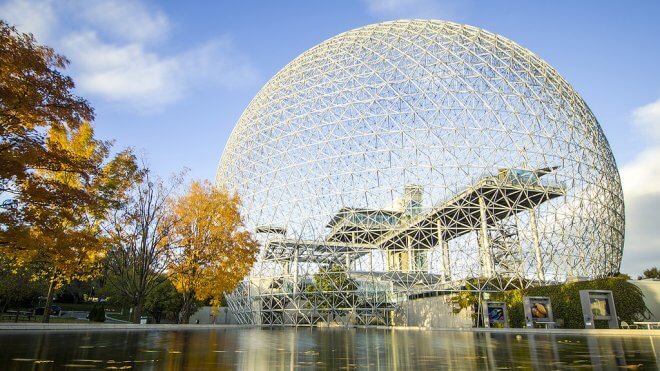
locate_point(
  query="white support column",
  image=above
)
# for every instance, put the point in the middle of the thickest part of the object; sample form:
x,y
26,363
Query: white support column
x,y
348,254
371,260
409,252
444,249
521,260
295,271
537,245
484,245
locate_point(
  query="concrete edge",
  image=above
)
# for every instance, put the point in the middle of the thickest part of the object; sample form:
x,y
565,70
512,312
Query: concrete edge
x,y
107,326
7,327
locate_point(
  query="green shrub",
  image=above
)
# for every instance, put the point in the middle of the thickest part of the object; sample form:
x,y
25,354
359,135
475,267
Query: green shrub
x,y
565,299
97,313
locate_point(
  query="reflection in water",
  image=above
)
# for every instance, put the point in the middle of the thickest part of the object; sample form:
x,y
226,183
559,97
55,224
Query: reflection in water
x,y
333,349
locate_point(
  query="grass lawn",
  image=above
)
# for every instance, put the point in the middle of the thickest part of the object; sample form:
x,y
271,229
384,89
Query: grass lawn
x,y
75,307
117,315
81,307
52,319
85,307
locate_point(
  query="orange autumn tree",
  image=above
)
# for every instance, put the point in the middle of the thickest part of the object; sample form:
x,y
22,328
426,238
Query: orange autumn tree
x,y
214,252
55,182
35,97
65,240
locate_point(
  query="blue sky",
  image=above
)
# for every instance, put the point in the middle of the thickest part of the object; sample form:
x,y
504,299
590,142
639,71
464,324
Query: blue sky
x,y
171,78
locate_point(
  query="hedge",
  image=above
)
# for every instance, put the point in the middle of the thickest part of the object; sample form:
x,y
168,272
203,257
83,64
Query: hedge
x,y
565,299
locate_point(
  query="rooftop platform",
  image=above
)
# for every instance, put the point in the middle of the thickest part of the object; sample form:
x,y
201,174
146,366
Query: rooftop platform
x,y
502,197
313,251
355,231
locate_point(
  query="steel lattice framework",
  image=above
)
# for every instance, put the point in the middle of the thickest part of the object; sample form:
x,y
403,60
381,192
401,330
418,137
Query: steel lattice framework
x,y
415,158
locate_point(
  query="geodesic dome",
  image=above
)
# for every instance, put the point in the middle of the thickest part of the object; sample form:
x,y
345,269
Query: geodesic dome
x,y
416,156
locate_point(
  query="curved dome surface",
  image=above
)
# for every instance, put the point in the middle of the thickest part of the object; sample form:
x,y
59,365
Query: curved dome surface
x,y
468,144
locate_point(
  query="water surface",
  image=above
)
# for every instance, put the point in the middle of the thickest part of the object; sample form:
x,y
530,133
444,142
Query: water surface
x,y
324,349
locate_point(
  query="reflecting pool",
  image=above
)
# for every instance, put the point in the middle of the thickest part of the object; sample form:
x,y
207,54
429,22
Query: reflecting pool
x,y
331,349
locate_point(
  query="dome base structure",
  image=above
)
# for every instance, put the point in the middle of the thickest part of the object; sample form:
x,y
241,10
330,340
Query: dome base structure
x,y
401,163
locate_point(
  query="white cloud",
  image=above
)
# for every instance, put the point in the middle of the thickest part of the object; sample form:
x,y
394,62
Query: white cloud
x,y
641,188
641,177
130,74
113,48
647,119
127,20
400,9
36,17
122,72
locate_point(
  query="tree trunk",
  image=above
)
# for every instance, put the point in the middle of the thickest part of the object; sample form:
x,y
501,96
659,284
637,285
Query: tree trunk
x,y
137,311
49,298
186,308
157,316
17,310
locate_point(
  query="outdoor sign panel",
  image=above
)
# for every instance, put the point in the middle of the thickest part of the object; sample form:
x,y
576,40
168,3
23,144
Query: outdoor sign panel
x,y
538,310
495,314
598,305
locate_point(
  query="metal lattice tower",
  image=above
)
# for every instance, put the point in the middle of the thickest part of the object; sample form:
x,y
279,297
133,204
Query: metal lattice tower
x,y
414,157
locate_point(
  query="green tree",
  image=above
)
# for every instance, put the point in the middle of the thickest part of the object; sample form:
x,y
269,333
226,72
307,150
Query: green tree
x,y
164,302
18,288
77,291
333,290
651,273
107,290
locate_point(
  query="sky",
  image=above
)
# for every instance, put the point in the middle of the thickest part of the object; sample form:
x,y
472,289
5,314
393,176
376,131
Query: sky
x,y
171,78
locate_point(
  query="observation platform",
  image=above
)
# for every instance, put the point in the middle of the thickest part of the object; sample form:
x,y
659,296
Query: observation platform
x,y
481,206
313,251
357,225
498,197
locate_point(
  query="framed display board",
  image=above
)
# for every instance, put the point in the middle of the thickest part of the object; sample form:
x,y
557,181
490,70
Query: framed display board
x,y
495,314
598,305
538,310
